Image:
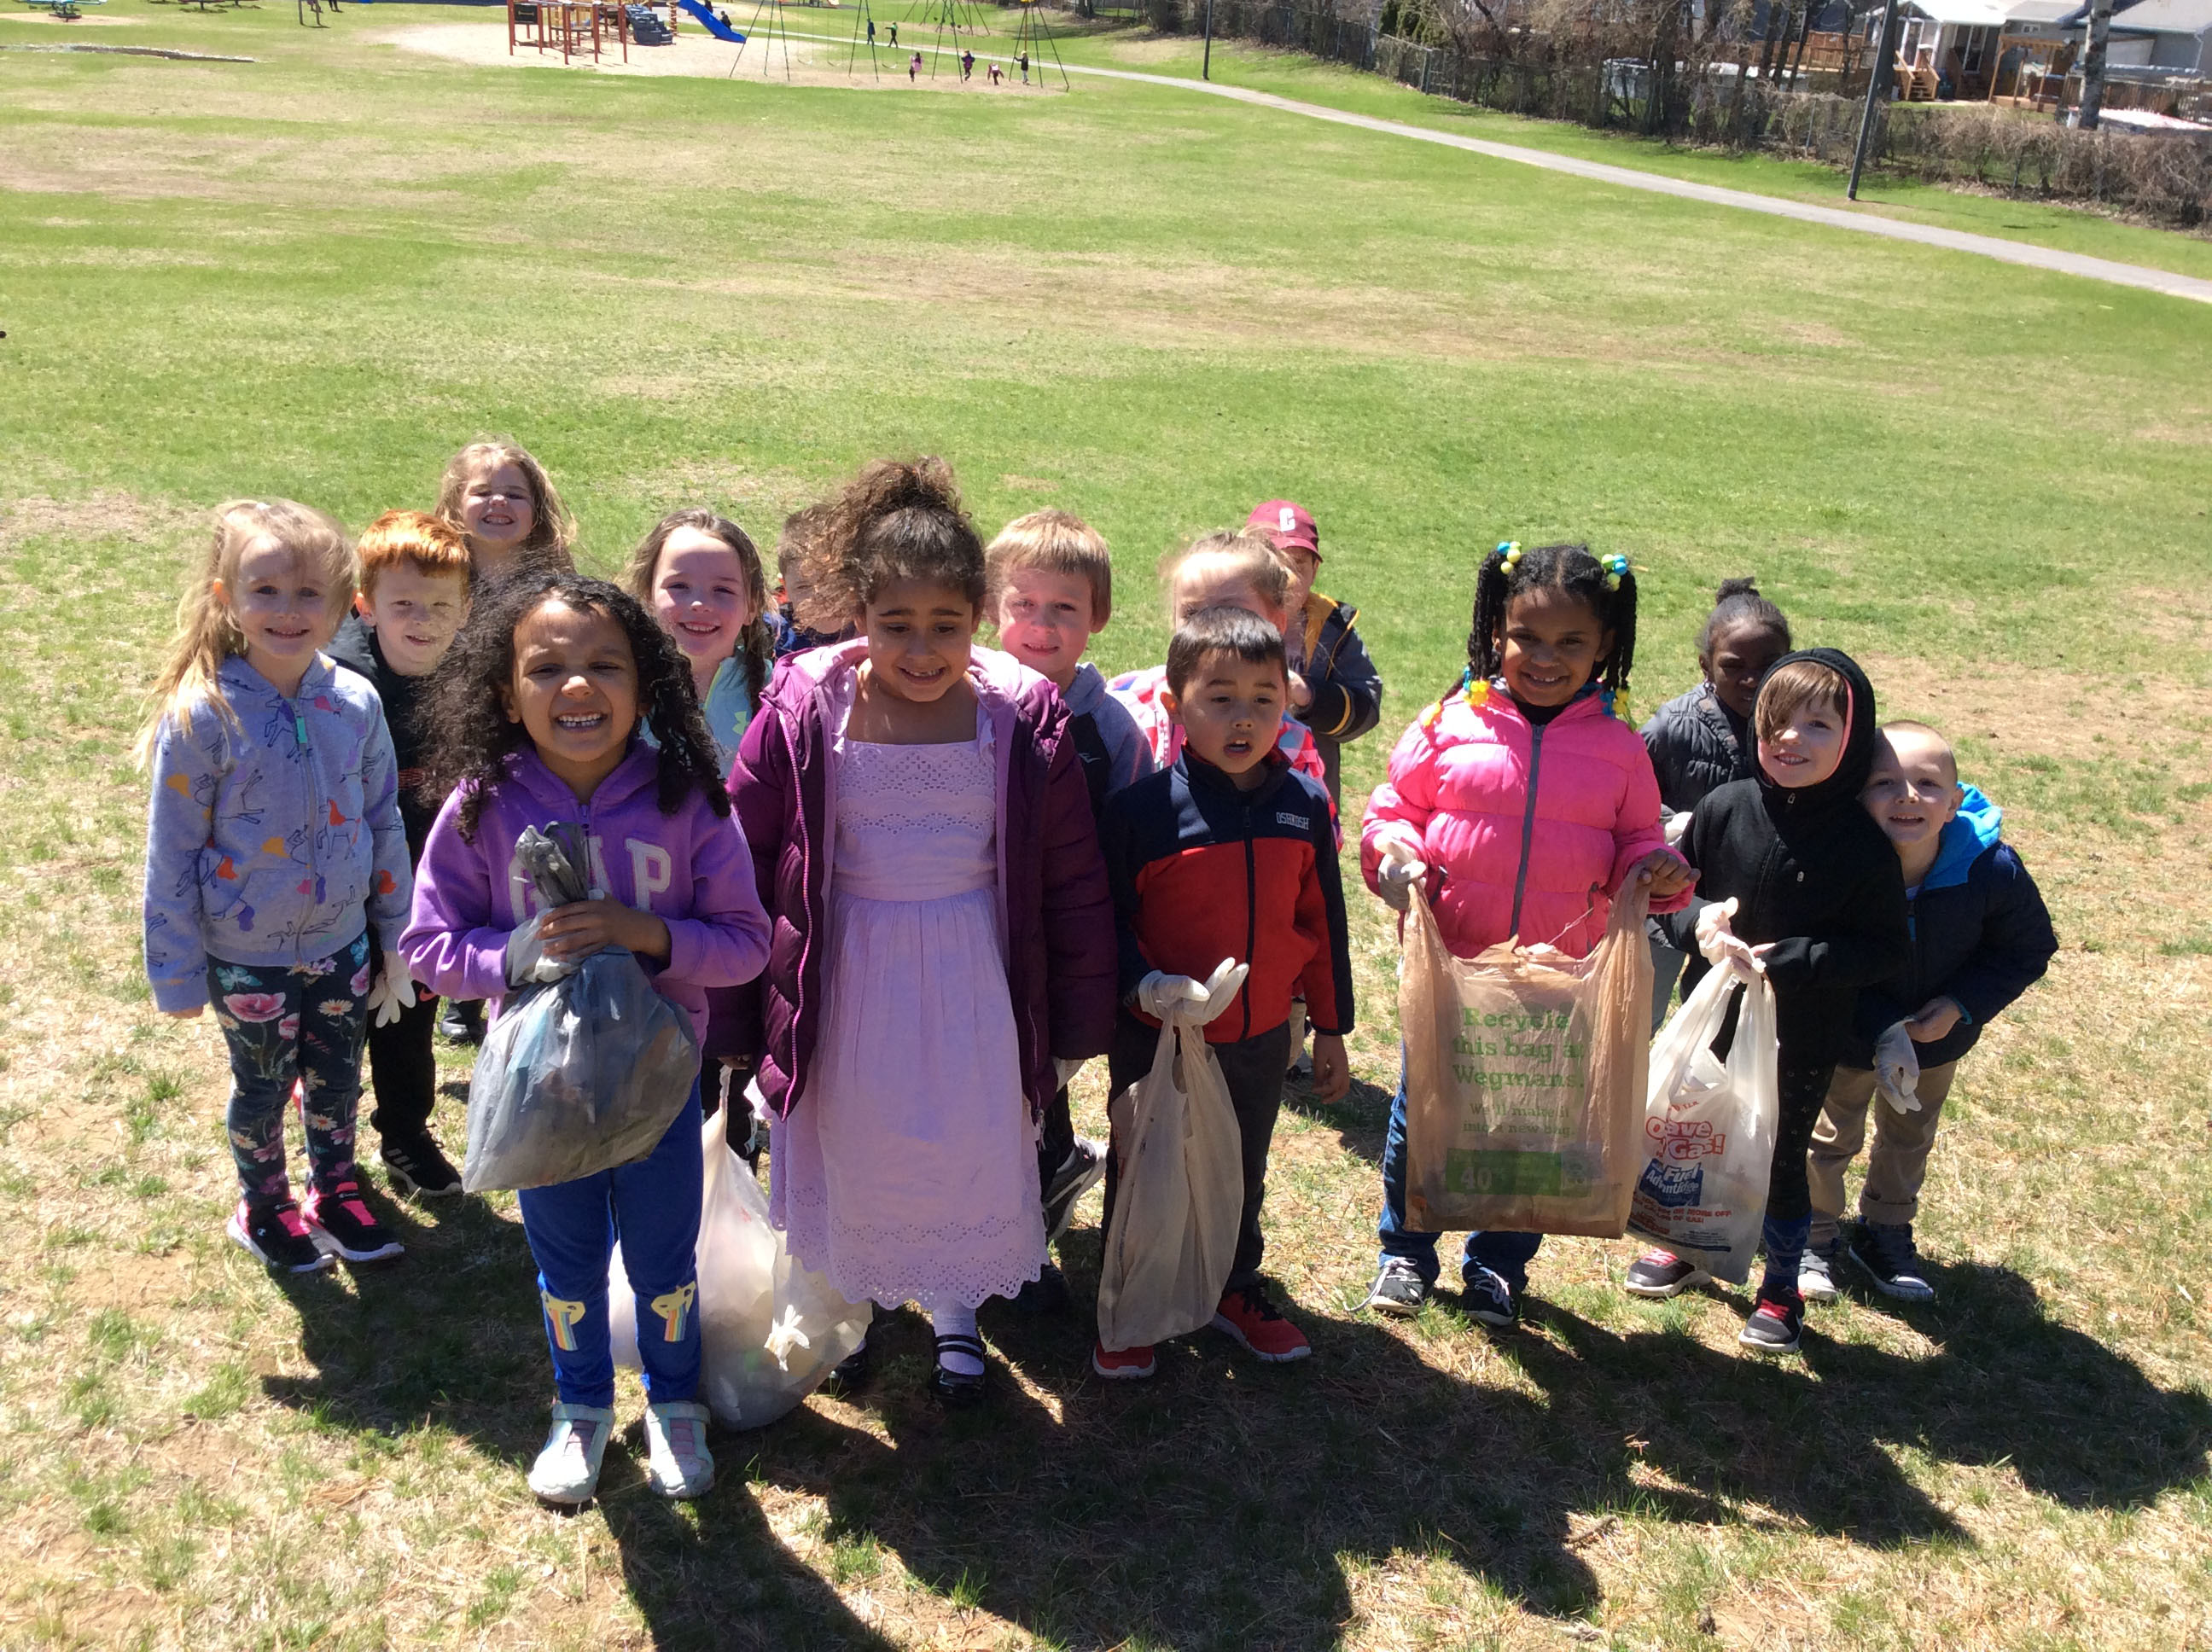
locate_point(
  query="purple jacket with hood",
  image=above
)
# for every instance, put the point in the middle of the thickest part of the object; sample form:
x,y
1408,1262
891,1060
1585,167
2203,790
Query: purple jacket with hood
x,y
689,868
1055,916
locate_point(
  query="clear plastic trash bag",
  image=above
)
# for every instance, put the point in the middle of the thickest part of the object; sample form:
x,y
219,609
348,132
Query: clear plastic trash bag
x,y
586,1065
769,1330
1708,1129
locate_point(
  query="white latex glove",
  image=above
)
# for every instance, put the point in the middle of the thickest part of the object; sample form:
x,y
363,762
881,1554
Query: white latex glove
x,y
392,991
1221,988
1674,827
1195,1002
1402,868
1721,946
1896,1069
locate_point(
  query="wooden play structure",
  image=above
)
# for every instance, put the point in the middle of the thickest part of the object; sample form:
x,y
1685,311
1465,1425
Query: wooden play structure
x,y
574,28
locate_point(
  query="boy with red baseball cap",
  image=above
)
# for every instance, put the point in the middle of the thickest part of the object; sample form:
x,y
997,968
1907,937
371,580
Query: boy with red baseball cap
x,y
1335,689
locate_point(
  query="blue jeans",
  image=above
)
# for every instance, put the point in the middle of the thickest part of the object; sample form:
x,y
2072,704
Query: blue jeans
x,y
1506,1255
652,1207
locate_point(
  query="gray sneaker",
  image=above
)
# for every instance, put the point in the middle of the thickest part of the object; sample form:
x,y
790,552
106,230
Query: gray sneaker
x,y
1884,1250
1399,1289
1816,1278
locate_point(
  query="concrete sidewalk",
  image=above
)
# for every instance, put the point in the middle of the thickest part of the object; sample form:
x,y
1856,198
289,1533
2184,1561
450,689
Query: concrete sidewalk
x,y
1864,224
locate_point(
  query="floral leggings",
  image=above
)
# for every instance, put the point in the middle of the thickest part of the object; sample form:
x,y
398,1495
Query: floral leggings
x,y
287,1023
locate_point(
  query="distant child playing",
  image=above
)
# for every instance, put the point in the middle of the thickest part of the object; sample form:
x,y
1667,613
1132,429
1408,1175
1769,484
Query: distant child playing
x,y
273,844
1795,879
1525,803
1981,937
1702,738
535,720
414,597
1335,689
943,936
1051,583
700,576
1229,853
501,497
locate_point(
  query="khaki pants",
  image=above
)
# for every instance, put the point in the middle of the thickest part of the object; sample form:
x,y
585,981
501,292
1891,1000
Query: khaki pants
x,y
1899,1162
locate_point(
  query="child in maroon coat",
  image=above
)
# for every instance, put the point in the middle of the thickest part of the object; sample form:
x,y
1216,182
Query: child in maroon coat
x,y
942,930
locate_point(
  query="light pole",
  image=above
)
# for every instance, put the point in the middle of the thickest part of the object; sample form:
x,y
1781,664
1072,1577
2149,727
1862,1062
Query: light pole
x,y
1878,79
1205,67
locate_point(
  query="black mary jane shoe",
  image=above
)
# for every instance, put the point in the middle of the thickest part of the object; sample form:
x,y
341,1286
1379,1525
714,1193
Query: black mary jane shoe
x,y
850,1374
958,1388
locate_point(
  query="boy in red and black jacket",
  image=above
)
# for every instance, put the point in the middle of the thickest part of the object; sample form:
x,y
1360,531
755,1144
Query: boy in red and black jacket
x,y
1229,853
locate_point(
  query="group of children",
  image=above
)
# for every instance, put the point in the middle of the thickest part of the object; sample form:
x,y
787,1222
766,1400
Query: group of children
x,y
904,884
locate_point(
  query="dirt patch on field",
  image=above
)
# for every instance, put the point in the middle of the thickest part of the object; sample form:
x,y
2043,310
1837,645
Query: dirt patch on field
x,y
106,514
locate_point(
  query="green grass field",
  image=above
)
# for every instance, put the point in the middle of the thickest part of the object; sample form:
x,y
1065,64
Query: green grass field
x,y
317,274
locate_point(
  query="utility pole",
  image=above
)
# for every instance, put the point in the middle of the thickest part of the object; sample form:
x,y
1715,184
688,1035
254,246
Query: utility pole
x,y
1206,69
1879,74
2099,31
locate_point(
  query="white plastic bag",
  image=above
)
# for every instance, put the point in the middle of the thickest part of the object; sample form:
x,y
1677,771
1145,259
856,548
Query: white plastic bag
x,y
1709,1130
1179,1188
769,1331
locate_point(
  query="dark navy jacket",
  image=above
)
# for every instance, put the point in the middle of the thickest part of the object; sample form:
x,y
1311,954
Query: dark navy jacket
x,y
1697,745
1981,936
1201,872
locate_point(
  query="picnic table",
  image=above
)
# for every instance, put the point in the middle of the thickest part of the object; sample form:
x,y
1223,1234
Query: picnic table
x,y
64,11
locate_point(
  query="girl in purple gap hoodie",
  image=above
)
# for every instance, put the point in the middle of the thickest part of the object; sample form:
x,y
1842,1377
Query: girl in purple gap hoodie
x,y
535,717
921,833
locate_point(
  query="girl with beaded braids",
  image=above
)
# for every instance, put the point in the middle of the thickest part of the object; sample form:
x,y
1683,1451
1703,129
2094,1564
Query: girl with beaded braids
x,y
1522,800
536,716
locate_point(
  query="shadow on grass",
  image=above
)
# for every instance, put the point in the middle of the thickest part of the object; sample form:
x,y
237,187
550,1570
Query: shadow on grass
x,y
451,1334
1227,1503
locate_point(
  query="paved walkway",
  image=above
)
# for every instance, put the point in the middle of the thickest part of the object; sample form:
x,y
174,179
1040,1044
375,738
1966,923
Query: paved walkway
x,y
1864,224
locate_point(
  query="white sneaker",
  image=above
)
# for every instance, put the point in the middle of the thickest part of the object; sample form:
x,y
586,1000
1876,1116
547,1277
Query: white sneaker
x,y
1816,1278
567,1471
676,1461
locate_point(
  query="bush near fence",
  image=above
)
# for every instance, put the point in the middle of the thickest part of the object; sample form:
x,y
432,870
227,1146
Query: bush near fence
x,y
1592,81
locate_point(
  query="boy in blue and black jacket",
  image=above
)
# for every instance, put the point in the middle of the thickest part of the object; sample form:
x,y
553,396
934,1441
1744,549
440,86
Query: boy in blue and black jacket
x,y
1981,937
1229,853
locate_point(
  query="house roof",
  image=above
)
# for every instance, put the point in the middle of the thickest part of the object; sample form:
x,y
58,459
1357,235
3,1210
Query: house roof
x,y
2166,17
2039,11
1963,14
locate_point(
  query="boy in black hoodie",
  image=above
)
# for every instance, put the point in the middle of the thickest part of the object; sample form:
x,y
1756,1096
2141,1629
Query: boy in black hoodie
x,y
1795,879
414,597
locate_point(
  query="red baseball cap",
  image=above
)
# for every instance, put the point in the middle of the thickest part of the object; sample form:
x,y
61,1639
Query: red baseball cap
x,y
1287,525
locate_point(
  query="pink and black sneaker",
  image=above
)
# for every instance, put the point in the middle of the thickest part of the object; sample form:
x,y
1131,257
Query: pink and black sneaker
x,y
342,1224
275,1234
1776,1319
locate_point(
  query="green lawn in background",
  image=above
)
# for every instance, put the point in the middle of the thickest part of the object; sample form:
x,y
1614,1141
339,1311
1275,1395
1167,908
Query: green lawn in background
x,y
317,274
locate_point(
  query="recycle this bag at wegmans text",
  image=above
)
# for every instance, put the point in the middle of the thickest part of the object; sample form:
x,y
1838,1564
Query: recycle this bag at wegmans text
x,y
1525,1074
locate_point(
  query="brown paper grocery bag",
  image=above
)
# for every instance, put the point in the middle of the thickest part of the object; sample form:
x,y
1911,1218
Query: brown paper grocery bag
x,y
1525,1078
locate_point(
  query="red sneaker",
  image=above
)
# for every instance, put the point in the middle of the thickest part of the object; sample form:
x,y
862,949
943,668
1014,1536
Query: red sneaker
x,y
1248,1316
1121,1364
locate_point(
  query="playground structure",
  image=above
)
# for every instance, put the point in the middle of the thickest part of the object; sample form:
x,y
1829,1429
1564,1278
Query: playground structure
x,y
776,30
960,16
1033,43
574,28
863,32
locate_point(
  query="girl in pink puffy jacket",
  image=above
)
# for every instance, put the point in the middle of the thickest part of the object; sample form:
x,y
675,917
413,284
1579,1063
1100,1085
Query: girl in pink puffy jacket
x,y
1521,801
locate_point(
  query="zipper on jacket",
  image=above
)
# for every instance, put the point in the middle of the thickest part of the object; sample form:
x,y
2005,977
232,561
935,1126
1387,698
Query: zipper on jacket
x,y
314,806
1528,822
1251,914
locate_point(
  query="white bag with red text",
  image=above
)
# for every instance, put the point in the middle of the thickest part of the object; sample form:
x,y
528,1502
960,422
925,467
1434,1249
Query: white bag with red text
x,y
1708,1129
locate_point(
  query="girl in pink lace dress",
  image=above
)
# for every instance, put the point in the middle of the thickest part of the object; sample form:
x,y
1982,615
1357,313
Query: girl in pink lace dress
x,y
923,838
